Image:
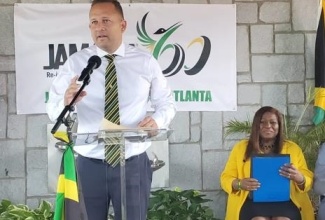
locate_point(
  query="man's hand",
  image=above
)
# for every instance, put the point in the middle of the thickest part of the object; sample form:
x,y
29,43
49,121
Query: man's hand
x,y
148,122
72,91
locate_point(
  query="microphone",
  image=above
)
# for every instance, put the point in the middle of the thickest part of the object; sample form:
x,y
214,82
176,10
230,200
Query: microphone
x,y
93,63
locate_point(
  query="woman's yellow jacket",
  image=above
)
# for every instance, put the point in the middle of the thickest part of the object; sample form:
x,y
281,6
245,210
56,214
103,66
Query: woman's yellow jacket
x,y
236,167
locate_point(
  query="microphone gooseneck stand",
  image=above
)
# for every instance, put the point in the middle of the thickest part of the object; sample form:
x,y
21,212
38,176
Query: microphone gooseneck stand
x,y
68,121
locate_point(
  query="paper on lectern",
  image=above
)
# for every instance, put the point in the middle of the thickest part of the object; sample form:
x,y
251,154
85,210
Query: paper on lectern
x,y
108,125
134,133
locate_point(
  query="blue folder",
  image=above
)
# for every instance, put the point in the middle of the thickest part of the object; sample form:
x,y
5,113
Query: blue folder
x,y
274,188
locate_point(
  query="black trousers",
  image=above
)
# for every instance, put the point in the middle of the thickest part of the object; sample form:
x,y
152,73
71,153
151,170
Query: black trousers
x,y
101,185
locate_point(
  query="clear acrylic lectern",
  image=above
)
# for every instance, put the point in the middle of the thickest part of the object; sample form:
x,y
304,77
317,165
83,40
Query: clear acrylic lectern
x,y
126,138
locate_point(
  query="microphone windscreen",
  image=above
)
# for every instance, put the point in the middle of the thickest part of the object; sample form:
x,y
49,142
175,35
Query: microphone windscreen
x,y
95,60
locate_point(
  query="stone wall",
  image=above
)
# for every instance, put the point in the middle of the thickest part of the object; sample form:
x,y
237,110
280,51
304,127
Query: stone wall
x,y
275,66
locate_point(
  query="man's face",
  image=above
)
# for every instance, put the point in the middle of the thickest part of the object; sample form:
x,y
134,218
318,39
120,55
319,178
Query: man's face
x,y
106,26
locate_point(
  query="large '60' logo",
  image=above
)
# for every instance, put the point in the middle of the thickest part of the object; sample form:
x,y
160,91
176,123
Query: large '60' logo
x,y
160,46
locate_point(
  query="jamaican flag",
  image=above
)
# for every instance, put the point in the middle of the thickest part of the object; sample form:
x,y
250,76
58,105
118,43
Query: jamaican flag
x,y
69,201
320,70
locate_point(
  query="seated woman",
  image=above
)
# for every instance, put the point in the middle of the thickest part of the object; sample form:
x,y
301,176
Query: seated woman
x,y
266,137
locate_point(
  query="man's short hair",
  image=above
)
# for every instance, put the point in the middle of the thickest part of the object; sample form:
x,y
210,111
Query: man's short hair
x,y
114,2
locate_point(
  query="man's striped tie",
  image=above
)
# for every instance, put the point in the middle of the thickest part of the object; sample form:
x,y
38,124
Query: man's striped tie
x,y
112,151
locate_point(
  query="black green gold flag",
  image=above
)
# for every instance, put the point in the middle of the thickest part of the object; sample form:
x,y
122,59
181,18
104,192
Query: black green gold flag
x,y
69,204
319,102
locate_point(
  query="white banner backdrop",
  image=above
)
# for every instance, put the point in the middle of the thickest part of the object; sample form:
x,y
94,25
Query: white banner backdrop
x,y
195,45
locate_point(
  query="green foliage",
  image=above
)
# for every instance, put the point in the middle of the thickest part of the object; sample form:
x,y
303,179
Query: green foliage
x,y
235,126
164,205
177,204
9,211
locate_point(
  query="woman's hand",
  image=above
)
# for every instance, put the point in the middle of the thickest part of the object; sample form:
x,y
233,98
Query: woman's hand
x,y
249,184
289,171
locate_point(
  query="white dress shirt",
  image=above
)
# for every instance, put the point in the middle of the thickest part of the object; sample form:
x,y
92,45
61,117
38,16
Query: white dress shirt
x,y
140,80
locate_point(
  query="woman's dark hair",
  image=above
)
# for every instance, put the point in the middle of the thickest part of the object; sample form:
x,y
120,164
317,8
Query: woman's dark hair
x,y
254,138
114,2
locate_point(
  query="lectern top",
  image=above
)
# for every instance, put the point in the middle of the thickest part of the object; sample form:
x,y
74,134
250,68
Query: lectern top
x,y
132,135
